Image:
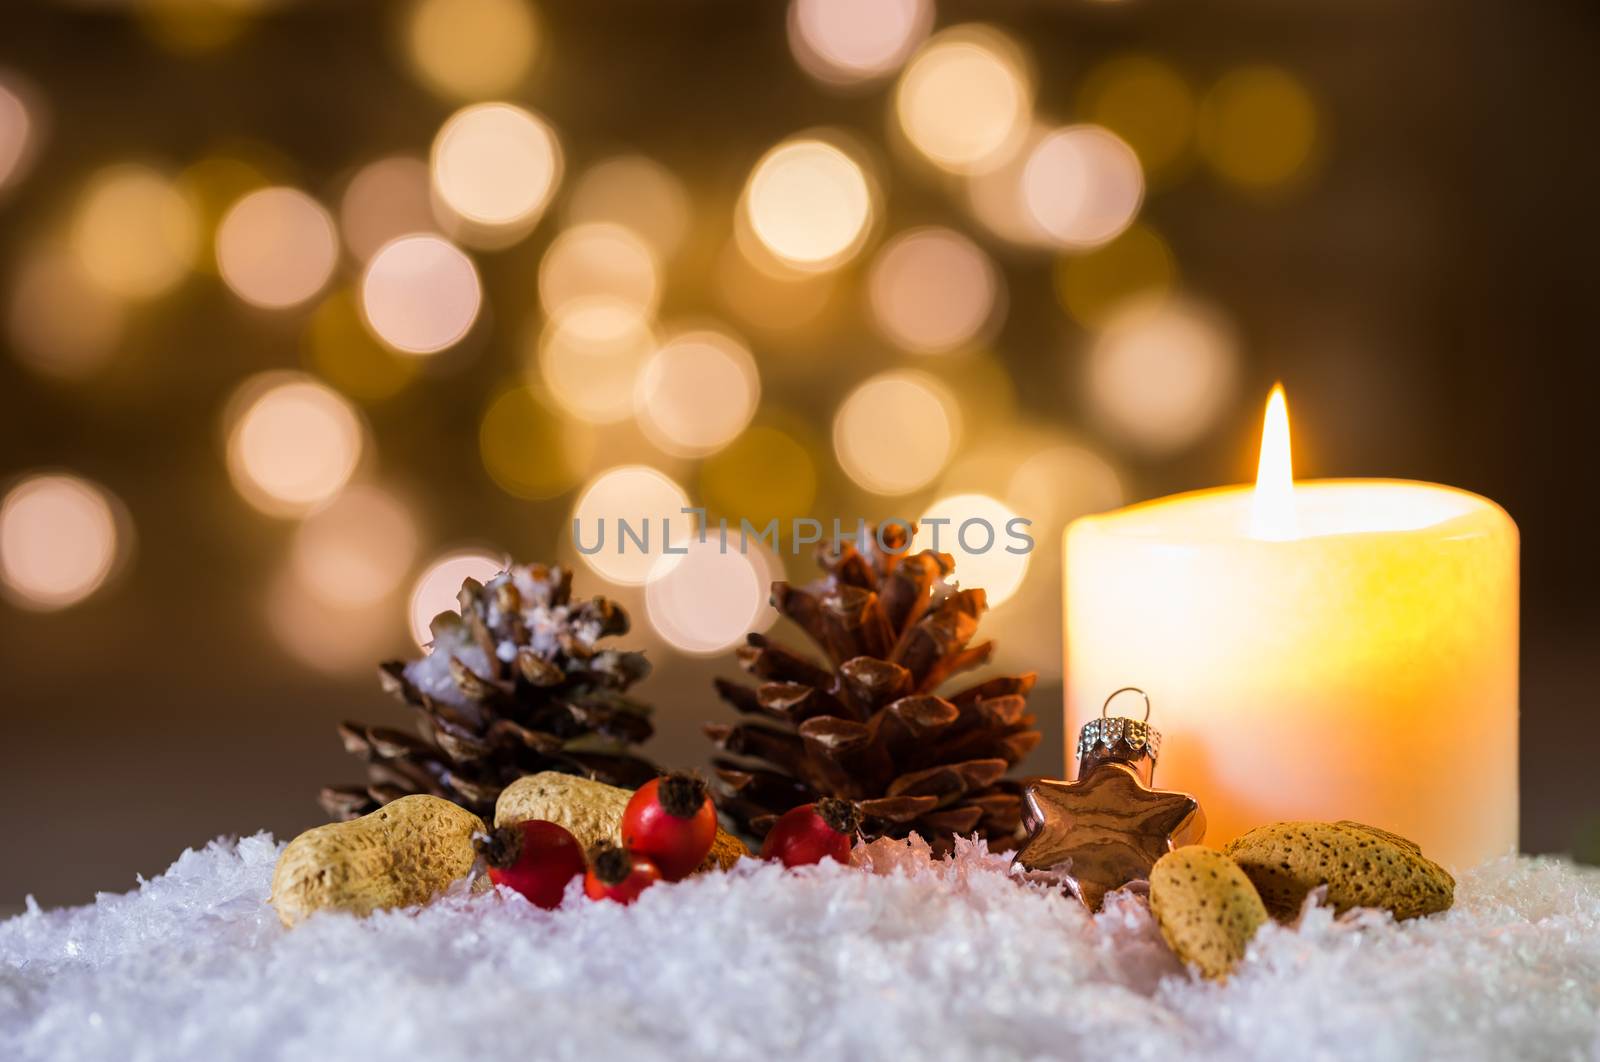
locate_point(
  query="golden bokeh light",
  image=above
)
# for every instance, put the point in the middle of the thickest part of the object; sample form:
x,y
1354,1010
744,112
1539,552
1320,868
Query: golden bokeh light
x,y
976,530
135,232
292,443
598,259
276,247
59,323
932,290
809,204
1083,185
965,99
333,639
356,550
18,133
338,347
529,449
1061,483
994,196
637,193
59,540
713,596
896,431
437,588
767,300
420,294
385,199
843,42
1093,284
1148,104
766,473
1161,372
495,167
471,49
651,505
697,392
590,354
1258,127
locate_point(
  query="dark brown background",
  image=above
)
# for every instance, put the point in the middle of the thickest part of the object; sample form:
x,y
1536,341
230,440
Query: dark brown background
x,y
1429,299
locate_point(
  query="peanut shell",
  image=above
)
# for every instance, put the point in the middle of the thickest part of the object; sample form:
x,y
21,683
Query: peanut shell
x,y
1362,866
404,853
591,811
1207,908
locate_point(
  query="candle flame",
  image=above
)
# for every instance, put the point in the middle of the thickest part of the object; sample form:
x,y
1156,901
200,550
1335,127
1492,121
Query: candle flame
x,y
1272,510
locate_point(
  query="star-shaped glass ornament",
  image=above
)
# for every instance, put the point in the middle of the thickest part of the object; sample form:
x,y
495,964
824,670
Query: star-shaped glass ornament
x,y
1108,828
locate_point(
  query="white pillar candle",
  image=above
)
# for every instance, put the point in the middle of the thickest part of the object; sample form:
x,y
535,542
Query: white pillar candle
x,y
1339,649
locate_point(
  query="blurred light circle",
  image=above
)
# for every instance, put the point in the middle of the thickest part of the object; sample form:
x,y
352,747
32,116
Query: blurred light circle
x,y
1061,483
495,165
470,49
292,443
896,431
842,42
1093,284
17,133
637,193
134,232
974,531
965,99
386,199
276,247
809,203
436,589
338,347
1083,185
697,392
598,259
1160,373
713,596
330,638
1258,127
932,290
766,473
58,322
420,294
1147,103
356,550
590,355
58,540
651,505
529,449
766,300
995,196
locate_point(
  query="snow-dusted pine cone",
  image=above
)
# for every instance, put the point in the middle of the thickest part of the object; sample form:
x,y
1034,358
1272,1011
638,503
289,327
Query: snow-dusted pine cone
x,y
868,724
514,684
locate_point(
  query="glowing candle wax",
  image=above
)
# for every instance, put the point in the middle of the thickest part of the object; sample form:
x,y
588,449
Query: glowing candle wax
x,y
1333,649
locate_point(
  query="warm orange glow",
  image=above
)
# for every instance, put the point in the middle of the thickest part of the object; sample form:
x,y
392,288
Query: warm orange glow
x,y
1272,510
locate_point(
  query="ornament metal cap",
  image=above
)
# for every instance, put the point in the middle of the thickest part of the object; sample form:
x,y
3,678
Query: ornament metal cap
x,y
1120,739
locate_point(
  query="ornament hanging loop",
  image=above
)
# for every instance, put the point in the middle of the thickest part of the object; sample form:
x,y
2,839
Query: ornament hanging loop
x,y
1104,708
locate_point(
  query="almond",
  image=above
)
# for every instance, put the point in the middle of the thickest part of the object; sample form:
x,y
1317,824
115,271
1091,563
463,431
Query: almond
x,y
1207,908
1362,866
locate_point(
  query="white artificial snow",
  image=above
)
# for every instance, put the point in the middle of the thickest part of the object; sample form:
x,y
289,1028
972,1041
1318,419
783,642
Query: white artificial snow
x,y
901,958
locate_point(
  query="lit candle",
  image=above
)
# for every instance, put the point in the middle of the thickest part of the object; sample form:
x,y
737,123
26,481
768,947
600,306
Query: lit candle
x,y
1332,649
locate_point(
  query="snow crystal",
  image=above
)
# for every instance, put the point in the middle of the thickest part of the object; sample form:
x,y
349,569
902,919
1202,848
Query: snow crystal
x,y
900,956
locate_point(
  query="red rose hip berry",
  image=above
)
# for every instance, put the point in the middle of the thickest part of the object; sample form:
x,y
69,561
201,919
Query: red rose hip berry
x,y
614,874
671,822
535,858
811,833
